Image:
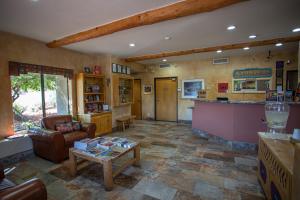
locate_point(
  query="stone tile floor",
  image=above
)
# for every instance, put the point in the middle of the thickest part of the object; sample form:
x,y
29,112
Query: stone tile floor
x,y
175,164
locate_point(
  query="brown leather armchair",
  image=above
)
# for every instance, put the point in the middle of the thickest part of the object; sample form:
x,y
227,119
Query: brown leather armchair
x,y
53,145
32,189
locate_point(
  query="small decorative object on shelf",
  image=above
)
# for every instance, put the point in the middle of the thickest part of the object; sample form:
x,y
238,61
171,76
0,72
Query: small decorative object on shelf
x,y
105,107
288,95
271,95
87,69
202,94
97,70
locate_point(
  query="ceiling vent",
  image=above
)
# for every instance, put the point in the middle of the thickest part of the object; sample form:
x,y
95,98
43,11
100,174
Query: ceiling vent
x,y
164,65
220,61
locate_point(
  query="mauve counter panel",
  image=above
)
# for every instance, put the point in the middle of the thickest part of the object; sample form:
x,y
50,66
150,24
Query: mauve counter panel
x,y
236,121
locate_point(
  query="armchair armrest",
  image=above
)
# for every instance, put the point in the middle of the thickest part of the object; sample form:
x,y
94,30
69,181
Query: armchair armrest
x,y
46,135
32,189
48,144
89,128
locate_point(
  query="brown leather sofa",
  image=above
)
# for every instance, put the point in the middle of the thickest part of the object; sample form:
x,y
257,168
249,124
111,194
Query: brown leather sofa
x,y
32,189
53,145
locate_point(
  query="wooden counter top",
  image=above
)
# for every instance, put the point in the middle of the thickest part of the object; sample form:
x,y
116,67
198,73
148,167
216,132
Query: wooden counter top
x,y
281,148
238,102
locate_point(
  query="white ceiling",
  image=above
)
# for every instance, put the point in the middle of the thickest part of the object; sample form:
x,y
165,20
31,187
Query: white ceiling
x,y
47,20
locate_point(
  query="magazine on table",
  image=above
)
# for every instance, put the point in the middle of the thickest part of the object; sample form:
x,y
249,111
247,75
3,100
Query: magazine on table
x,y
104,146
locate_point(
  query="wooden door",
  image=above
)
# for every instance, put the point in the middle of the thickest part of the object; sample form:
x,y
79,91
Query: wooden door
x,y
166,99
292,80
136,107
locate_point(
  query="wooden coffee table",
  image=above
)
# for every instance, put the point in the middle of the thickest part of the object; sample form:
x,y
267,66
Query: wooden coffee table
x,y
106,162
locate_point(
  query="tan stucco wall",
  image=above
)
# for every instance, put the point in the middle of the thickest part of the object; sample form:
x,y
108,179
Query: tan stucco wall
x,y
212,75
20,49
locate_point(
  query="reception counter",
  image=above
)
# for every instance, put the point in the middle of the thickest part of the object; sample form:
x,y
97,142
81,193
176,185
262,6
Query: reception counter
x,y
238,121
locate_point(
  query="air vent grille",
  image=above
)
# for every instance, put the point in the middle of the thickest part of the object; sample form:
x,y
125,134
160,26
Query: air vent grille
x,y
220,61
164,65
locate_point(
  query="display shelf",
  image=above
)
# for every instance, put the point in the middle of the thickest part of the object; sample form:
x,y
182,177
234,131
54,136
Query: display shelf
x,y
122,90
90,93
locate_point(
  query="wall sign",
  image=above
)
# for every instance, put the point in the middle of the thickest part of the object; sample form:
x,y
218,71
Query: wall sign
x,y
147,89
252,73
222,87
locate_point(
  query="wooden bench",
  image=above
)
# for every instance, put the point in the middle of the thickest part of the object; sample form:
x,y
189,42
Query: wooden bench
x,y
124,121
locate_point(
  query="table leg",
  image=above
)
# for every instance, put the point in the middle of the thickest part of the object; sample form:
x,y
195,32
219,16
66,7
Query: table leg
x,y
123,123
72,163
108,175
137,156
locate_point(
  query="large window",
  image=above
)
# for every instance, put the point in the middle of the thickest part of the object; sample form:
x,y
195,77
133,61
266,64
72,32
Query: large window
x,y
37,95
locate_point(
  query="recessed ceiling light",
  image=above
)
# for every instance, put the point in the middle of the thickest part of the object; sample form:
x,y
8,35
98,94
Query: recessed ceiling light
x,y
246,48
34,0
231,27
132,45
168,38
296,30
278,44
252,36
164,60
219,51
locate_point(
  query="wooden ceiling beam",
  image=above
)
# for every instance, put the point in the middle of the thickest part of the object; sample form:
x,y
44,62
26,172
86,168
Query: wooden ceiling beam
x,y
169,12
215,48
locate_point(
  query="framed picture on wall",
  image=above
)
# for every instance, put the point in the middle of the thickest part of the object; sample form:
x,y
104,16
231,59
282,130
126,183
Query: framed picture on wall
x,y
147,89
119,67
128,70
124,71
190,88
114,68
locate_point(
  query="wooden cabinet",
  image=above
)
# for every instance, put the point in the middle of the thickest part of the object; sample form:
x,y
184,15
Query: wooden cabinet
x,y
122,89
102,120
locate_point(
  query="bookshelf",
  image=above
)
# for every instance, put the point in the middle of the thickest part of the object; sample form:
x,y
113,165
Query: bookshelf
x,y
90,93
90,99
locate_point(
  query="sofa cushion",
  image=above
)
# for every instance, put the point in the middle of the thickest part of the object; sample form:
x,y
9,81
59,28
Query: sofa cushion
x,y
70,138
51,121
76,126
64,127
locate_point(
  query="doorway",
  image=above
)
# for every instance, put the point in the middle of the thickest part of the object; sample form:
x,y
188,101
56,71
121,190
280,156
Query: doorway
x,y
291,80
166,99
136,107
